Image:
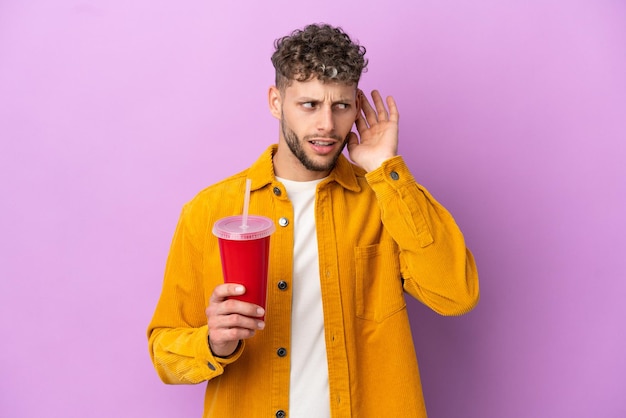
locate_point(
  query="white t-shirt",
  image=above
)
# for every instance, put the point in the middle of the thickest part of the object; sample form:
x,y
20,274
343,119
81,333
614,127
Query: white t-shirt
x,y
308,391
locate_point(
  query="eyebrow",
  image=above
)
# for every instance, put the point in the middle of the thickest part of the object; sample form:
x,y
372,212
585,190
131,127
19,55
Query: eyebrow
x,y
305,99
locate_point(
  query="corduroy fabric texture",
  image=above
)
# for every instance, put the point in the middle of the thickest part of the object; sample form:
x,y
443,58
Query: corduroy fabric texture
x,y
380,235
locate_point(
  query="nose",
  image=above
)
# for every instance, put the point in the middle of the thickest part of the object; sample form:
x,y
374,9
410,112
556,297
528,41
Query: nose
x,y
325,120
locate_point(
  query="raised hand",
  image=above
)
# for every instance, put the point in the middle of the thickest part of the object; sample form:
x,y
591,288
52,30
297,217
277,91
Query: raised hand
x,y
378,132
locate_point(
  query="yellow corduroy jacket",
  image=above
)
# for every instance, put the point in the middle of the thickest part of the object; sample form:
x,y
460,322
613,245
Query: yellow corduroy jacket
x,y
379,235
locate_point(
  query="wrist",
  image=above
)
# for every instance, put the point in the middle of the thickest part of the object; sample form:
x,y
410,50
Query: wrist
x,y
226,351
377,163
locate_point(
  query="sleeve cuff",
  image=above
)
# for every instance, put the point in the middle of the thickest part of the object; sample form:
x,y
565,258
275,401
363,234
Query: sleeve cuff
x,y
392,175
214,363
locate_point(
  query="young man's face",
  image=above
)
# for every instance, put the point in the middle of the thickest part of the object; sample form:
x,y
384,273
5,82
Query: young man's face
x,y
315,120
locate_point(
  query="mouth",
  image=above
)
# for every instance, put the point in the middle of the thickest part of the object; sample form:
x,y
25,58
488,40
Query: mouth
x,y
323,146
322,142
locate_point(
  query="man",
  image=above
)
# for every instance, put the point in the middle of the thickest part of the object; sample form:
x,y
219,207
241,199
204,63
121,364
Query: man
x,y
350,240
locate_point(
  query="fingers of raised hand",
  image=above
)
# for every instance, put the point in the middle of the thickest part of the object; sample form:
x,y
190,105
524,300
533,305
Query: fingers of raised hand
x,y
394,115
368,115
361,123
381,111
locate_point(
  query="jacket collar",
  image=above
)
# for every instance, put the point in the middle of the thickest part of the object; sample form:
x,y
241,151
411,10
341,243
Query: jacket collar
x,y
262,171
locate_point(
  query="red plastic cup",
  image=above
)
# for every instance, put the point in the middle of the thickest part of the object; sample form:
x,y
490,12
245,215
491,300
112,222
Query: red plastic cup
x,y
245,254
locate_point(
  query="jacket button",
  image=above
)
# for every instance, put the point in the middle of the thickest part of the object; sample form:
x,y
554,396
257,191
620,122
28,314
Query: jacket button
x,y
277,191
280,414
394,175
282,352
282,285
283,222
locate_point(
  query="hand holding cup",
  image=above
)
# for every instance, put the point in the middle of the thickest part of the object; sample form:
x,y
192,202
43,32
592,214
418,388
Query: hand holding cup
x,y
231,320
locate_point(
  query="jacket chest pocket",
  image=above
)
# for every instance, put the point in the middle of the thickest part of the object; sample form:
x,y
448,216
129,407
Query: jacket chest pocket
x,y
379,292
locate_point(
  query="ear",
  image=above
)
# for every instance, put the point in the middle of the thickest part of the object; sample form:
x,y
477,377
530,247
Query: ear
x,y
359,103
275,102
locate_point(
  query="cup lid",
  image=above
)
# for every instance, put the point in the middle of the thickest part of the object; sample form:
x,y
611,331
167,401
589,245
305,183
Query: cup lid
x,y
231,228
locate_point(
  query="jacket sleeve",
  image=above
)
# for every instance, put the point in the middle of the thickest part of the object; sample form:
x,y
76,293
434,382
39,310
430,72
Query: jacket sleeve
x,y
437,268
178,332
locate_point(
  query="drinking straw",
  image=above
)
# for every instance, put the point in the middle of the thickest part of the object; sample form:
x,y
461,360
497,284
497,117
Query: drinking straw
x,y
246,204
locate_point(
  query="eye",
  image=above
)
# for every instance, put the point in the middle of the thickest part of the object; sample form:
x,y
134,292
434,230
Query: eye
x,y
342,106
308,105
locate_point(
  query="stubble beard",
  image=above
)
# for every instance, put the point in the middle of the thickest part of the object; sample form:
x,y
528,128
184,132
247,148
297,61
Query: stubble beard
x,y
295,145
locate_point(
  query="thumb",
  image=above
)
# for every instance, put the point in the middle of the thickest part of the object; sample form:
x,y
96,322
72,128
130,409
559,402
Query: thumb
x,y
353,141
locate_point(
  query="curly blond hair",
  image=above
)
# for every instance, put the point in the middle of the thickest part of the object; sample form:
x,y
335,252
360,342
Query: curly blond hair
x,y
318,51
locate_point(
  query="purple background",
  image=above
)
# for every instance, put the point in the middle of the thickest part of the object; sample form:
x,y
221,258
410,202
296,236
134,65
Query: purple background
x,y
115,113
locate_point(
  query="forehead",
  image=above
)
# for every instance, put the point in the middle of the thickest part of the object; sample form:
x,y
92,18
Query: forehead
x,y
317,89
